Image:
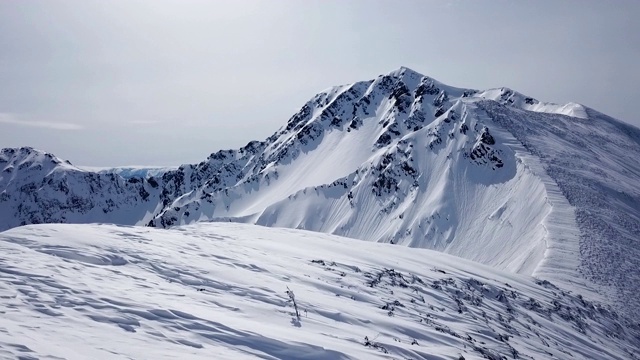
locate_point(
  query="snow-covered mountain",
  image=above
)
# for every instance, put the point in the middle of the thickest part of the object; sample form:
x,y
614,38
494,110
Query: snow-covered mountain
x,y
492,176
38,188
219,291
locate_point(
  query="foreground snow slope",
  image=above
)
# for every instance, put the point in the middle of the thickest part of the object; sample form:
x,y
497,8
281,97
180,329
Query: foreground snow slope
x,y
218,290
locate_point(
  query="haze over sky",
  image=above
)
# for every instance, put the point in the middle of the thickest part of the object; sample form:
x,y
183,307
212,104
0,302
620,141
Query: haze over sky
x,y
109,83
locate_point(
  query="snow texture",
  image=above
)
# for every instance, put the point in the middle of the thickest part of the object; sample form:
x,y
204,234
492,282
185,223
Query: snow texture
x,y
220,290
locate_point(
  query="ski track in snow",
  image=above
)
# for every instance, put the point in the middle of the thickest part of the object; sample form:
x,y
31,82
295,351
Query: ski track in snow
x,y
218,290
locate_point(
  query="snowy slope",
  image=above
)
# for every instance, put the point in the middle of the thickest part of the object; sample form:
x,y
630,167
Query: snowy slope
x,y
218,290
493,176
37,187
595,164
402,159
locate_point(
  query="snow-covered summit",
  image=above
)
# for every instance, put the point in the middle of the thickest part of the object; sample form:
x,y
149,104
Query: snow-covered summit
x,y
515,99
27,158
493,176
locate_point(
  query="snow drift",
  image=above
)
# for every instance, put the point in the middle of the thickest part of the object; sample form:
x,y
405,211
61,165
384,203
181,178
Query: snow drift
x,y
219,291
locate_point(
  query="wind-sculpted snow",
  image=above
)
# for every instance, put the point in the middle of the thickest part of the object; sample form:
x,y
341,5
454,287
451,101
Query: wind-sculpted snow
x,y
595,164
219,290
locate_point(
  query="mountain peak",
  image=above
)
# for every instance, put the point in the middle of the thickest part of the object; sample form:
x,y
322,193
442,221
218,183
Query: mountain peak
x,y
28,156
402,159
406,71
24,150
408,76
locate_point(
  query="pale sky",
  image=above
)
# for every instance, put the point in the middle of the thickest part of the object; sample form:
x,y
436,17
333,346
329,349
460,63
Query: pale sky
x,y
150,82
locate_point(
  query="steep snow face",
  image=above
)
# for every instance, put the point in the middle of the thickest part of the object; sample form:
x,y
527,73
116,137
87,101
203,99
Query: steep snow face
x,y
436,188
595,165
220,290
401,159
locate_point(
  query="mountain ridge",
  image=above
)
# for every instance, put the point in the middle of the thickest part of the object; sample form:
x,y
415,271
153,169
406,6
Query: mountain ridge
x,y
404,159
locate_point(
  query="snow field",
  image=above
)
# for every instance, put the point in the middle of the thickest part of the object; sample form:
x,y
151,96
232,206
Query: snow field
x,y
219,290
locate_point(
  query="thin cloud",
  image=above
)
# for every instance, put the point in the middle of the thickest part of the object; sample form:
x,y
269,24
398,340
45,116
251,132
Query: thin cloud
x,y
145,122
13,119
